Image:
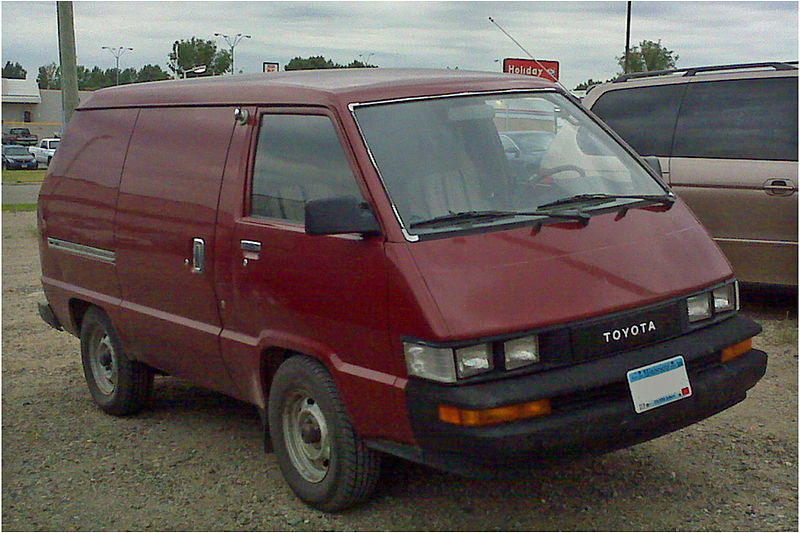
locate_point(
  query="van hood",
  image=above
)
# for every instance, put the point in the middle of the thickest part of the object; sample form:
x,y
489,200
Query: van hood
x,y
503,281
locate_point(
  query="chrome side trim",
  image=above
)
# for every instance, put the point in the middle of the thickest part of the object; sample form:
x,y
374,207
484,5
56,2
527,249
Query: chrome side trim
x,y
89,252
755,241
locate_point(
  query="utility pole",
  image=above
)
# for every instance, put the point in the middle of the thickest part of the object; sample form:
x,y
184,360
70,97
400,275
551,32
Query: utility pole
x,y
628,38
67,57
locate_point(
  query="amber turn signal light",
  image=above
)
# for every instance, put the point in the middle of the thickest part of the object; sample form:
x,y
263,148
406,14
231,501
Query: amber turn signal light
x,y
732,352
496,415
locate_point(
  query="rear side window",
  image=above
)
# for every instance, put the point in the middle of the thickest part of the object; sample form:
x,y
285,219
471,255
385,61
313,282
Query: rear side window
x,y
741,119
298,158
645,117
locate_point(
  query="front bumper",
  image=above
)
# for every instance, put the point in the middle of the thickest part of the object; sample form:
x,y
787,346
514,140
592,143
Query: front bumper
x,y
21,165
592,407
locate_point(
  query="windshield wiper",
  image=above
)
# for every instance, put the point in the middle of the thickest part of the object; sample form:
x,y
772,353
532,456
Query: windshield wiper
x,y
463,216
600,198
479,216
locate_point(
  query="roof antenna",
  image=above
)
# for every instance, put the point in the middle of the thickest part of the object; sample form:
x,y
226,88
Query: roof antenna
x,y
529,54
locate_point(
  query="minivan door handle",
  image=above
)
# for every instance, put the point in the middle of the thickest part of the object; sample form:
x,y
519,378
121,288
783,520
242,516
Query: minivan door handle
x,y
198,255
780,187
250,246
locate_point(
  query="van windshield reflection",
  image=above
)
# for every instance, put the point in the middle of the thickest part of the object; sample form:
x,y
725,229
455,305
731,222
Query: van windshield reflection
x,y
488,159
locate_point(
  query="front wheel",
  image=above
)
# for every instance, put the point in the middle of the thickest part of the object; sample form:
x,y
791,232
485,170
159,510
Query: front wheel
x,y
322,458
117,384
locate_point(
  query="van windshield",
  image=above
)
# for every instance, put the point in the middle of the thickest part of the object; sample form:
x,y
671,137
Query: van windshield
x,y
453,162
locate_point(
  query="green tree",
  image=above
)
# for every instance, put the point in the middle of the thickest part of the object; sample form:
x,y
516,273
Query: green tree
x,y
319,62
96,78
128,75
151,73
589,83
14,71
310,63
648,56
356,63
49,76
196,53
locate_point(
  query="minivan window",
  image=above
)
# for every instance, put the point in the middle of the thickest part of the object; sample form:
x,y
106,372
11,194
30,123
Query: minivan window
x,y
298,158
444,157
740,119
645,117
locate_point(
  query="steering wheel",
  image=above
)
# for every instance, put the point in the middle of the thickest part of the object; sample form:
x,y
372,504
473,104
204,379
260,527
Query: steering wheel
x,y
545,173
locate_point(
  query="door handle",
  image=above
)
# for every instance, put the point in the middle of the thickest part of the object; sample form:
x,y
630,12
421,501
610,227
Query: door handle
x,y
780,187
198,256
250,246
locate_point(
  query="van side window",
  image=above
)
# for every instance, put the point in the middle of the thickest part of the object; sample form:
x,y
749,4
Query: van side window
x,y
645,117
298,158
741,119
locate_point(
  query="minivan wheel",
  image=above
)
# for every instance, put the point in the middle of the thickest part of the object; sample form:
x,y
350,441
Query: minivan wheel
x,y
319,453
117,384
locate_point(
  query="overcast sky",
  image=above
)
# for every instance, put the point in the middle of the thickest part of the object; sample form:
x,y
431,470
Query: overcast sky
x,y
584,37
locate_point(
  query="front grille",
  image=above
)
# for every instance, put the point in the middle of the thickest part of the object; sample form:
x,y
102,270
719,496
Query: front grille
x,y
625,331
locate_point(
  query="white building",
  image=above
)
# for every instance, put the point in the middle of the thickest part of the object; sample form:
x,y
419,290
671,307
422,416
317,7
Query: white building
x,y
24,104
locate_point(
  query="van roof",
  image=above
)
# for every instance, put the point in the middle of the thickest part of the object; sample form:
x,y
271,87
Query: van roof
x,y
310,87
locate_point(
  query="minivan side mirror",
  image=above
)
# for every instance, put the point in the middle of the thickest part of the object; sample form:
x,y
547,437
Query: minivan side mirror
x,y
331,216
654,163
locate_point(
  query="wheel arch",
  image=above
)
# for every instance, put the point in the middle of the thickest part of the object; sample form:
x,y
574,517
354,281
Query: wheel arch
x,y
77,310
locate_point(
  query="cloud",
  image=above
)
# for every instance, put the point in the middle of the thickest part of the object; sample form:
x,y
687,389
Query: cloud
x,y
585,37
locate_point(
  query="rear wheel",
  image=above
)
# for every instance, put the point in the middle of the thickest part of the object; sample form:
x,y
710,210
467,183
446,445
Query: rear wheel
x,y
322,458
117,384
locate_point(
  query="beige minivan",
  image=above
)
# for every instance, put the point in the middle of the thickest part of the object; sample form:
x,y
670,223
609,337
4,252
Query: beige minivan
x,y
726,138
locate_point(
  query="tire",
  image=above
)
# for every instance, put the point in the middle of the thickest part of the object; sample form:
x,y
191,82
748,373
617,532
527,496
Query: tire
x,y
118,385
319,453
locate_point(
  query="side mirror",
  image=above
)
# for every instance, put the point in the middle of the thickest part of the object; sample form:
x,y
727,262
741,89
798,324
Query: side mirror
x,y
331,216
654,163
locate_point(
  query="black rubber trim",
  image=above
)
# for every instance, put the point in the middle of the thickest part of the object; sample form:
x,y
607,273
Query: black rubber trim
x,y
49,317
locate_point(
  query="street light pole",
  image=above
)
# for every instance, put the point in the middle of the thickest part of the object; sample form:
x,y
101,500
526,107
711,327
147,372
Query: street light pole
x,y
116,52
232,42
366,61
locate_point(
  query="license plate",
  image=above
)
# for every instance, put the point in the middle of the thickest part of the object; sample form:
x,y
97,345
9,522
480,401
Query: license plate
x,y
659,384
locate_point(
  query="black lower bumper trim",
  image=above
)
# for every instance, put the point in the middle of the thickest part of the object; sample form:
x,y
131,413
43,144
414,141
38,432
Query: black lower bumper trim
x,y
605,423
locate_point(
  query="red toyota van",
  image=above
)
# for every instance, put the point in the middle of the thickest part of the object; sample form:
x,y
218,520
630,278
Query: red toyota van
x,y
462,269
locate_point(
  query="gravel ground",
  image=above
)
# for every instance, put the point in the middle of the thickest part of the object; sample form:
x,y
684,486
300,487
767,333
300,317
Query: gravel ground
x,y
193,460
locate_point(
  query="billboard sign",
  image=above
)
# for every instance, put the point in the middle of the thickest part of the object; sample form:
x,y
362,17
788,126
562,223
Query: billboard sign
x,y
270,67
531,67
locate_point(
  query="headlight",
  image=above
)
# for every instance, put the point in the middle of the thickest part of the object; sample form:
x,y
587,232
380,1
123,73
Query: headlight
x,y
720,300
450,364
447,364
699,307
725,298
474,360
429,362
521,352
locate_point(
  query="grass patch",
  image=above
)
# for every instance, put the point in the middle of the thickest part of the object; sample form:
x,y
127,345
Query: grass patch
x,y
23,176
18,208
